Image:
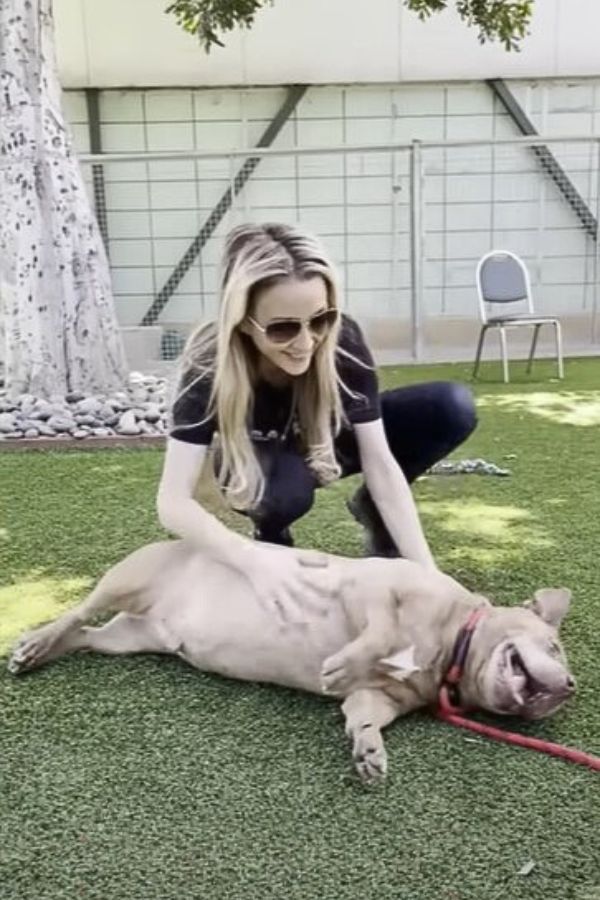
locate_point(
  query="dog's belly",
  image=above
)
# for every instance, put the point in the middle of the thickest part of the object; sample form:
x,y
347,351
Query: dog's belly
x,y
212,619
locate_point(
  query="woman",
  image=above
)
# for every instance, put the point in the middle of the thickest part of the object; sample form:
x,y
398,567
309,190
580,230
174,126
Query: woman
x,y
290,387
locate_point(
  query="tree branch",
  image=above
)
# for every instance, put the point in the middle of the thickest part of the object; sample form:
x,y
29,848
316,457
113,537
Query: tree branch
x,y
505,21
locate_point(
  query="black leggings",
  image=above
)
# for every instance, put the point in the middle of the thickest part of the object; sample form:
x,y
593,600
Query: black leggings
x,y
422,422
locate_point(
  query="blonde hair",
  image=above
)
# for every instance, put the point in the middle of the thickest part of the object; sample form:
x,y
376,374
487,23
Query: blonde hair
x,y
257,256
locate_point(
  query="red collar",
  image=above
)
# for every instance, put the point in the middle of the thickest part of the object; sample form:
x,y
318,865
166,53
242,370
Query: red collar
x,y
448,698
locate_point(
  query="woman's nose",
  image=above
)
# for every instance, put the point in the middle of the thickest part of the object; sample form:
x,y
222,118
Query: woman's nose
x,y
305,340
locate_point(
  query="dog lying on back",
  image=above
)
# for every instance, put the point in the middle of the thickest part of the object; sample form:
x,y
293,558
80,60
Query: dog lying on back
x,y
381,640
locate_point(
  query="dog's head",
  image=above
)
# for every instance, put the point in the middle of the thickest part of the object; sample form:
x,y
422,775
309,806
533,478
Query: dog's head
x,y
516,664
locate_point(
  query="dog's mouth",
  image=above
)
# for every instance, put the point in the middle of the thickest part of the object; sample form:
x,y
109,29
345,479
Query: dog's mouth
x,y
519,681
529,694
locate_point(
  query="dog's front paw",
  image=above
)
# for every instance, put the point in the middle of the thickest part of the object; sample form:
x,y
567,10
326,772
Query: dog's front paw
x,y
369,755
33,648
339,672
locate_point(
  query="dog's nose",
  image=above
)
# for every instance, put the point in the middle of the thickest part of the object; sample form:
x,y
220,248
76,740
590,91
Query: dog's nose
x,y
570,683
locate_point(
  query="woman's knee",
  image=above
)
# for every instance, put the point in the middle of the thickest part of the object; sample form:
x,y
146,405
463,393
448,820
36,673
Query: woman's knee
x,y
287,507
457,410
289,492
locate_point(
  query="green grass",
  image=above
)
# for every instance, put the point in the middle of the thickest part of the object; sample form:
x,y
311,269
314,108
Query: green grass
x,y
142,779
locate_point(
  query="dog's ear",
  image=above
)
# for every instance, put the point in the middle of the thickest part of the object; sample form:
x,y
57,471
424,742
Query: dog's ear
x,y
550,604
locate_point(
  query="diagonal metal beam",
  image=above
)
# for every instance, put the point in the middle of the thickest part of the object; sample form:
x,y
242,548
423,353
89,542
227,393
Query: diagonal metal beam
x,y
546,158
93,113
548,162
294,95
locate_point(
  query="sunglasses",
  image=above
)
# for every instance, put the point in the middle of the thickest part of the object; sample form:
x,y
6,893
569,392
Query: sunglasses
x,y
284,331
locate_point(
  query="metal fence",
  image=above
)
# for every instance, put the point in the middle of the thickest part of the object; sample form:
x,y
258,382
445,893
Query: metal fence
x,y
406,224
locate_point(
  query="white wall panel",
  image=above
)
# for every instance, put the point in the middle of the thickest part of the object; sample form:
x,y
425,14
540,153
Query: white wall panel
x,y
568,241
324,42
471,99
186,309
130,308
174,195
322,165
473,127
128,224
374,304
191,283
314,42
274,167
219,135
123,137
418,128
277,192
124,196
81,136
175,223
446,46
363,103
75,107
368,190
363,165
369,220
121,106
127,171
321,103
168,251
372,248
132,280
421,100
170,136
369,275
476,198
324,220
219,105
321,191
168,169
130,253
319,132
168,106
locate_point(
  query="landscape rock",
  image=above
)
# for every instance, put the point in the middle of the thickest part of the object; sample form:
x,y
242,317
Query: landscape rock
x,y
139,409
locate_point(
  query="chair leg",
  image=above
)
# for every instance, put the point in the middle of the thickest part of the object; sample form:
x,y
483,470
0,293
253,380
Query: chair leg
x,y
504,351
559,350
482,335
536,331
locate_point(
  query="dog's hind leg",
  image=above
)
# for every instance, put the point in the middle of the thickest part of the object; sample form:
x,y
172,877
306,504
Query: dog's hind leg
x,y
124,633
122,587
367,711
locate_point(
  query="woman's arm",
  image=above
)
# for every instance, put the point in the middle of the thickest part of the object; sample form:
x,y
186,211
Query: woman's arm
x,y
391,493
283,588
180,513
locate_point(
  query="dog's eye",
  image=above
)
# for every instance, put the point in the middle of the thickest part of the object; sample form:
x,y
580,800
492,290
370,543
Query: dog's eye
x,y
554,648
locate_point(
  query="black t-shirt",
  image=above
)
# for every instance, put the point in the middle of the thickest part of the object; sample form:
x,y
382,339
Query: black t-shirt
x,y
359,395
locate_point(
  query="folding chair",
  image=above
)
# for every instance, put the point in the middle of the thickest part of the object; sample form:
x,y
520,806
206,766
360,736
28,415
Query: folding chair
x,y
502,278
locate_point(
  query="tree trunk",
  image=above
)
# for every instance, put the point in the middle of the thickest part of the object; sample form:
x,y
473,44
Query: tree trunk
x,y
56,306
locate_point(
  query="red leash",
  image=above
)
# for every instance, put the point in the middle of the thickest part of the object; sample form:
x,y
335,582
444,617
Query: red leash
x,y
448,712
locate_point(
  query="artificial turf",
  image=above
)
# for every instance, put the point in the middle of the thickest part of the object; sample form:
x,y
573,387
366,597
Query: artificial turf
x,y
141,779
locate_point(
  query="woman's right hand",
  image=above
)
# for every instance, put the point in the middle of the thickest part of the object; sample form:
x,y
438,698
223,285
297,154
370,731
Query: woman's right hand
x,y
288,584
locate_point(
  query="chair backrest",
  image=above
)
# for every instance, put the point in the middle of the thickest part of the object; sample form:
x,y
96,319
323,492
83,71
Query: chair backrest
x,y
502,277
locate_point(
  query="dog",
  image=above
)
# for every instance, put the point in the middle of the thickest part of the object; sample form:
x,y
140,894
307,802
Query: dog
x,y
381,638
